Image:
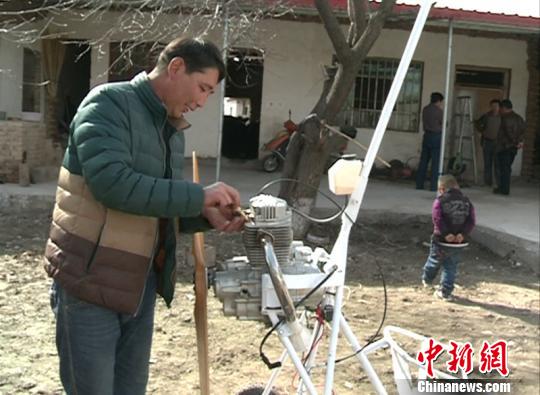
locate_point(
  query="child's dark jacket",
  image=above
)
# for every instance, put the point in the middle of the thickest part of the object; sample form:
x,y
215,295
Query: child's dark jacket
x,y
452,213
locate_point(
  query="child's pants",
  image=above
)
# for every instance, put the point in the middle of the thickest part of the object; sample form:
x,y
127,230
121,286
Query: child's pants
x,y
449,258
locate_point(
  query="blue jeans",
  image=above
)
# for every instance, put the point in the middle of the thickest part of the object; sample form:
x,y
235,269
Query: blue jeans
x,y
101,351
448,258
431,150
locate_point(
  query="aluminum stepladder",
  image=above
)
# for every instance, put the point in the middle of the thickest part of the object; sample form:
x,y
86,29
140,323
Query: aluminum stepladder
x,y
464,136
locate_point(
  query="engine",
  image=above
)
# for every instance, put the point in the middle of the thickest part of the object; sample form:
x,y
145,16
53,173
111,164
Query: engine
x,y
276,272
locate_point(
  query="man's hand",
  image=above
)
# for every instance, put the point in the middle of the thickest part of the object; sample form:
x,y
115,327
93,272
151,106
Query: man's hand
x,y
459,238
450,238
221,195
223,222
220,207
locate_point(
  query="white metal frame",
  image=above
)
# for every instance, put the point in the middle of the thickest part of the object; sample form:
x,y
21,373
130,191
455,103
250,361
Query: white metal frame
x,y
338,256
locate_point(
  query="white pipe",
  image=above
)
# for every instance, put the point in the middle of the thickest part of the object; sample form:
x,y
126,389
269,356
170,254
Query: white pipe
x,y
297,363
356,199
275,373
447,96
222,88
313,348
366,365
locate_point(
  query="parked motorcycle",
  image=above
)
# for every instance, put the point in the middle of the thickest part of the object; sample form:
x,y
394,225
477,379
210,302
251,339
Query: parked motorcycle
x,y
279,144
278,147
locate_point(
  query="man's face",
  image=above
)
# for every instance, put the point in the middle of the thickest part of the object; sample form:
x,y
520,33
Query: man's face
x,y
494,108
188,92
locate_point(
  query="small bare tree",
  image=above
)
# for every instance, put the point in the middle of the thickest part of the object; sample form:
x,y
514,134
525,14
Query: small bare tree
x,y
310,149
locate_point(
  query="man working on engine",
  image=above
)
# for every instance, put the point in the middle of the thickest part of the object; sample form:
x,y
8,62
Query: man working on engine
x,y
119,204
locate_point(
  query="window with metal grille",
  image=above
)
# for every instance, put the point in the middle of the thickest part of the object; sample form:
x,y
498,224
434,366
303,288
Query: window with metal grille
x,y
31,86
371,88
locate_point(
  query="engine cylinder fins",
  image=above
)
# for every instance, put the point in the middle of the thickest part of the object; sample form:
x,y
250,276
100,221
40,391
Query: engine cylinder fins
x,y
282,239
270,211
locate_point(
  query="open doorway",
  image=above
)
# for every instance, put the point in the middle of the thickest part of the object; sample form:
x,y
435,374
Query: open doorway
x,y
481,85
73,84
242,104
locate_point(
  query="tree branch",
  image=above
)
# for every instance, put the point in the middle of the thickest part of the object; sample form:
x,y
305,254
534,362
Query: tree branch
x,y
386,7
334,31
373,29
357,15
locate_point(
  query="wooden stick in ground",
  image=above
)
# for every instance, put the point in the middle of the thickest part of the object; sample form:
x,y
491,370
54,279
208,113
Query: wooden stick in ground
x,y
334,130
201,309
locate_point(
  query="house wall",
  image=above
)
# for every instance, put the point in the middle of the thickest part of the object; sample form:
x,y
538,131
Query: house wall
x,y
99,64
202,136
293,80
18,137
295,53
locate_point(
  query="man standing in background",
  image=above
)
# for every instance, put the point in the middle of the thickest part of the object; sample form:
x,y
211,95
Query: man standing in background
x,y
432,119
488,125
509,140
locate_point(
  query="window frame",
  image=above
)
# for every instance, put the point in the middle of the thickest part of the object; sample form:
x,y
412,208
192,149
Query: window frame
x,y
356,103
506,71
33,116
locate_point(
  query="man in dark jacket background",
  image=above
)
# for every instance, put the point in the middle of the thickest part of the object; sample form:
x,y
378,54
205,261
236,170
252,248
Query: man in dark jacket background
x,y
120,203
488,125
432,119
509,140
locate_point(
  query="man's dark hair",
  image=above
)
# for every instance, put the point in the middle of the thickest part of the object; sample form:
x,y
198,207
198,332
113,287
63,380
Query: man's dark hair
x,y
436,97
198,55
506,104
495,101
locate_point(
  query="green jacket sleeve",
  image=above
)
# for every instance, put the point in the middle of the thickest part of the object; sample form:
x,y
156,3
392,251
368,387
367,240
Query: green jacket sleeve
x,y
101,136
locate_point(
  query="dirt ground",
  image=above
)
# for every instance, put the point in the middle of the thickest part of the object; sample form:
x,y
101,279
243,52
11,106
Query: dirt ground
x,y
496,299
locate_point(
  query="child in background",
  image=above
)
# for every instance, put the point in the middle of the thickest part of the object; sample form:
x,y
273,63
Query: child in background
x,y
453,219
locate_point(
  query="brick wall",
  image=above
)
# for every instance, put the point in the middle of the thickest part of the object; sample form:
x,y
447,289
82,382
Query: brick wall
x,y
17,137
531,156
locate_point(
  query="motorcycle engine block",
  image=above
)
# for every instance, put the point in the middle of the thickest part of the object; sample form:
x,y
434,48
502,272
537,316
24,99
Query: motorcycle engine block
x,y
238,281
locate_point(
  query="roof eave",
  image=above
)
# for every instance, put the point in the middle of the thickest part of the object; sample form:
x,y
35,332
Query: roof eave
x,y
438,21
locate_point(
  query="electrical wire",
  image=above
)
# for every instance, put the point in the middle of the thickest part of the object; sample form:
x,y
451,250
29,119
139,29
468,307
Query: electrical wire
x,y
324,220
318,337
302,214
273,365
378,331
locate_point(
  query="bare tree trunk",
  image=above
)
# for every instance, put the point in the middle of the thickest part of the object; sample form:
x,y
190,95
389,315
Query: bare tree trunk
x,y
306,162
310,149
